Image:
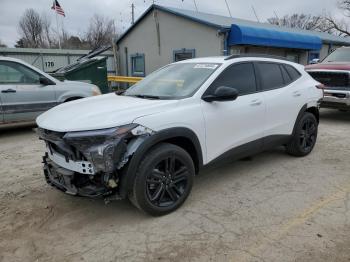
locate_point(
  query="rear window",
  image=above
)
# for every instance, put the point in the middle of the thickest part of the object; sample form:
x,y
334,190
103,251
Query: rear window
x,y
293,73
286,76
271,76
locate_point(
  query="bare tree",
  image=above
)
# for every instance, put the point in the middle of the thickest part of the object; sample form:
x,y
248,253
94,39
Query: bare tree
x,y
301,21
340,26
31,28
47,36
101,31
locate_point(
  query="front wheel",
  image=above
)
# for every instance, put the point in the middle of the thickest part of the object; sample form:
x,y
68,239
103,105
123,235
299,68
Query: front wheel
x,y
163,181
304,137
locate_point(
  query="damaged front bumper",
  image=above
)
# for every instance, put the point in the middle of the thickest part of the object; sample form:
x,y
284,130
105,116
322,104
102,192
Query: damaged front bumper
x,y
89,163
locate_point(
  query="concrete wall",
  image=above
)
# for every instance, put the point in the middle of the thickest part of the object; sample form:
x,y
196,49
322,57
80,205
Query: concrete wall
x,y
175,33
300,56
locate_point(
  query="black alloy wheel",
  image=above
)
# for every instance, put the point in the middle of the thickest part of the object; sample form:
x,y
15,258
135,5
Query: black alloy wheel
x,y
308,134
167,182
304,137
163,181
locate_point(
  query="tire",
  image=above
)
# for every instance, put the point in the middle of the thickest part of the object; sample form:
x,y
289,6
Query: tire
x,y
304,137
163,180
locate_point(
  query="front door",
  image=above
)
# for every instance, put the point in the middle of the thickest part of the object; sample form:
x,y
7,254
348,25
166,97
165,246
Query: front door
x,y
23,97
231,124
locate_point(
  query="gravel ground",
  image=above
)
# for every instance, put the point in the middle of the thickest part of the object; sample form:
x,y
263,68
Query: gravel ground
x,y
271,208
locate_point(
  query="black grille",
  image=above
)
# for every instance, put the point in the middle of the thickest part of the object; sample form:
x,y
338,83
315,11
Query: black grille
x,y
332,79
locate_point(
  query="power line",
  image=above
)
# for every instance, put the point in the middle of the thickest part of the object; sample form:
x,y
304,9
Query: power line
x,y
228,8
257,18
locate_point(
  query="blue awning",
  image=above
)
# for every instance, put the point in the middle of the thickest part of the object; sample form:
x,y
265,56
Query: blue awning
x,y
245,35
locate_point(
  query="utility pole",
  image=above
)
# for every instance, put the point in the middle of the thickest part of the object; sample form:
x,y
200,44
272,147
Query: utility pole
x,y
132,13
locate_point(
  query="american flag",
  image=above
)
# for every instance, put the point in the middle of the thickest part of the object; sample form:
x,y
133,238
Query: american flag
x,y
59,10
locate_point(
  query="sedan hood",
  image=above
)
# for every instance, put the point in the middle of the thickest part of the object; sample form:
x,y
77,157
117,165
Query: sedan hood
x,y
100,112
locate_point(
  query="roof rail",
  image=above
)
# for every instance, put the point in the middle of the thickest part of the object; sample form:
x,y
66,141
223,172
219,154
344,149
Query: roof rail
x,y
256,55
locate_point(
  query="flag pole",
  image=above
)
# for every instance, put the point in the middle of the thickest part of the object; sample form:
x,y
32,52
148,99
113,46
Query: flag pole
x,y
58,31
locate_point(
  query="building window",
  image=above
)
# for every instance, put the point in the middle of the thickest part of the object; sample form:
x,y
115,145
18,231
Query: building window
x,y
314,56
184,54
138,65
292,57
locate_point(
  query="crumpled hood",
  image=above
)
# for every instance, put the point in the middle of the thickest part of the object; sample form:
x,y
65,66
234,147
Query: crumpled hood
x,y
100,112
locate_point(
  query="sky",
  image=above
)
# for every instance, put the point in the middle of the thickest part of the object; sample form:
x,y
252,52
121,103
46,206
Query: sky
x,y
79,12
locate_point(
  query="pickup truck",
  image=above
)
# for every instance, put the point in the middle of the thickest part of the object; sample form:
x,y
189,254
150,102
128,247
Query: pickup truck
x,y
334,73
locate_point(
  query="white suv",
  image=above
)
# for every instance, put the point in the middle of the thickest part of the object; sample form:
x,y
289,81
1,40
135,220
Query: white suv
x,y
149,142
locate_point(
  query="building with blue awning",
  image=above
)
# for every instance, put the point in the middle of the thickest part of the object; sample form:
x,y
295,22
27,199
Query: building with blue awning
x,y
163,35
249,35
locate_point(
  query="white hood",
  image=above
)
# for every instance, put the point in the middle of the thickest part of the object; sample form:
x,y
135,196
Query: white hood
x,y
100,112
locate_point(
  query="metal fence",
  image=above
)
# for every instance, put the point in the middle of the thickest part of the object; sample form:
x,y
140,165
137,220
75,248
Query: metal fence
x,y
49,60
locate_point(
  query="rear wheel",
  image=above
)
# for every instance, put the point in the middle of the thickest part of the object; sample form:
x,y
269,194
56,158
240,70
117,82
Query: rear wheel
x,y
305,136
163,181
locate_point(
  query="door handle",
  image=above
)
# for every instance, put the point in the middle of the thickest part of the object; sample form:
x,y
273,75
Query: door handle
x,y
8,91
256,102
296,94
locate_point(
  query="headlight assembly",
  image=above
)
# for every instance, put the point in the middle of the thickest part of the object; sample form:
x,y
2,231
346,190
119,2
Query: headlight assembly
x,y
104,147
96,91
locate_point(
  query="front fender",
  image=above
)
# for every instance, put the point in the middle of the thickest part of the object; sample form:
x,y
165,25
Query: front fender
x,y
129,171
66,95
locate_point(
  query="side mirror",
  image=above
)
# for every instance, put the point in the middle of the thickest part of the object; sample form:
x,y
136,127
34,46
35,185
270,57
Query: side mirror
x,y
45,81
221,94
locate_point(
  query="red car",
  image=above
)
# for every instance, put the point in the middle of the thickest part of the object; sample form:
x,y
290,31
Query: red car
x,y
334,73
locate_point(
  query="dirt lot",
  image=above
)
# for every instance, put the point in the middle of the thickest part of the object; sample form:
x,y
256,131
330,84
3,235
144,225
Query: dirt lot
x,y
271,208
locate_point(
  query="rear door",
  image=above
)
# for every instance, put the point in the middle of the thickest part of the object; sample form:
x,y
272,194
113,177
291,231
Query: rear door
x,y
23,97
284,96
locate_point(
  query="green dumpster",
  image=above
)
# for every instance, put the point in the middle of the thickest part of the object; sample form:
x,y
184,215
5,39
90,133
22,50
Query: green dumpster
x,y
92,70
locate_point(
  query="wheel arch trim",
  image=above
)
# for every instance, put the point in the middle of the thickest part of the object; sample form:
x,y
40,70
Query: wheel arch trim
x,y
129,172
309,107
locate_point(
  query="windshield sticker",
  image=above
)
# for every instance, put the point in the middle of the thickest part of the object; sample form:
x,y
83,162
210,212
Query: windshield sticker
x,y
206,66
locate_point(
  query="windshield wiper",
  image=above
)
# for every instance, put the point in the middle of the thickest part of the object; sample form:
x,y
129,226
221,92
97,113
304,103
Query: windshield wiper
x,y
146,96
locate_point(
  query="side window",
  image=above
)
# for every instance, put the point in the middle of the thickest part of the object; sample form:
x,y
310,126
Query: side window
x,y
240,76
271,76
138,65
286,77
15,73
183,54
293,73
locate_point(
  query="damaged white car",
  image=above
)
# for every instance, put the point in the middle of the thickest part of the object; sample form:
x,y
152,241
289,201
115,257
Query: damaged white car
x,y
148,143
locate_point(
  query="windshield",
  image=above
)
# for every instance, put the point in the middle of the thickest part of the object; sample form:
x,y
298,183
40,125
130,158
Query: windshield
x,y
173,81
339,55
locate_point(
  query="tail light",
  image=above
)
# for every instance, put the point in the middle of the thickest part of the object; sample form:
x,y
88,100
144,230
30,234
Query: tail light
x,y
322,87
